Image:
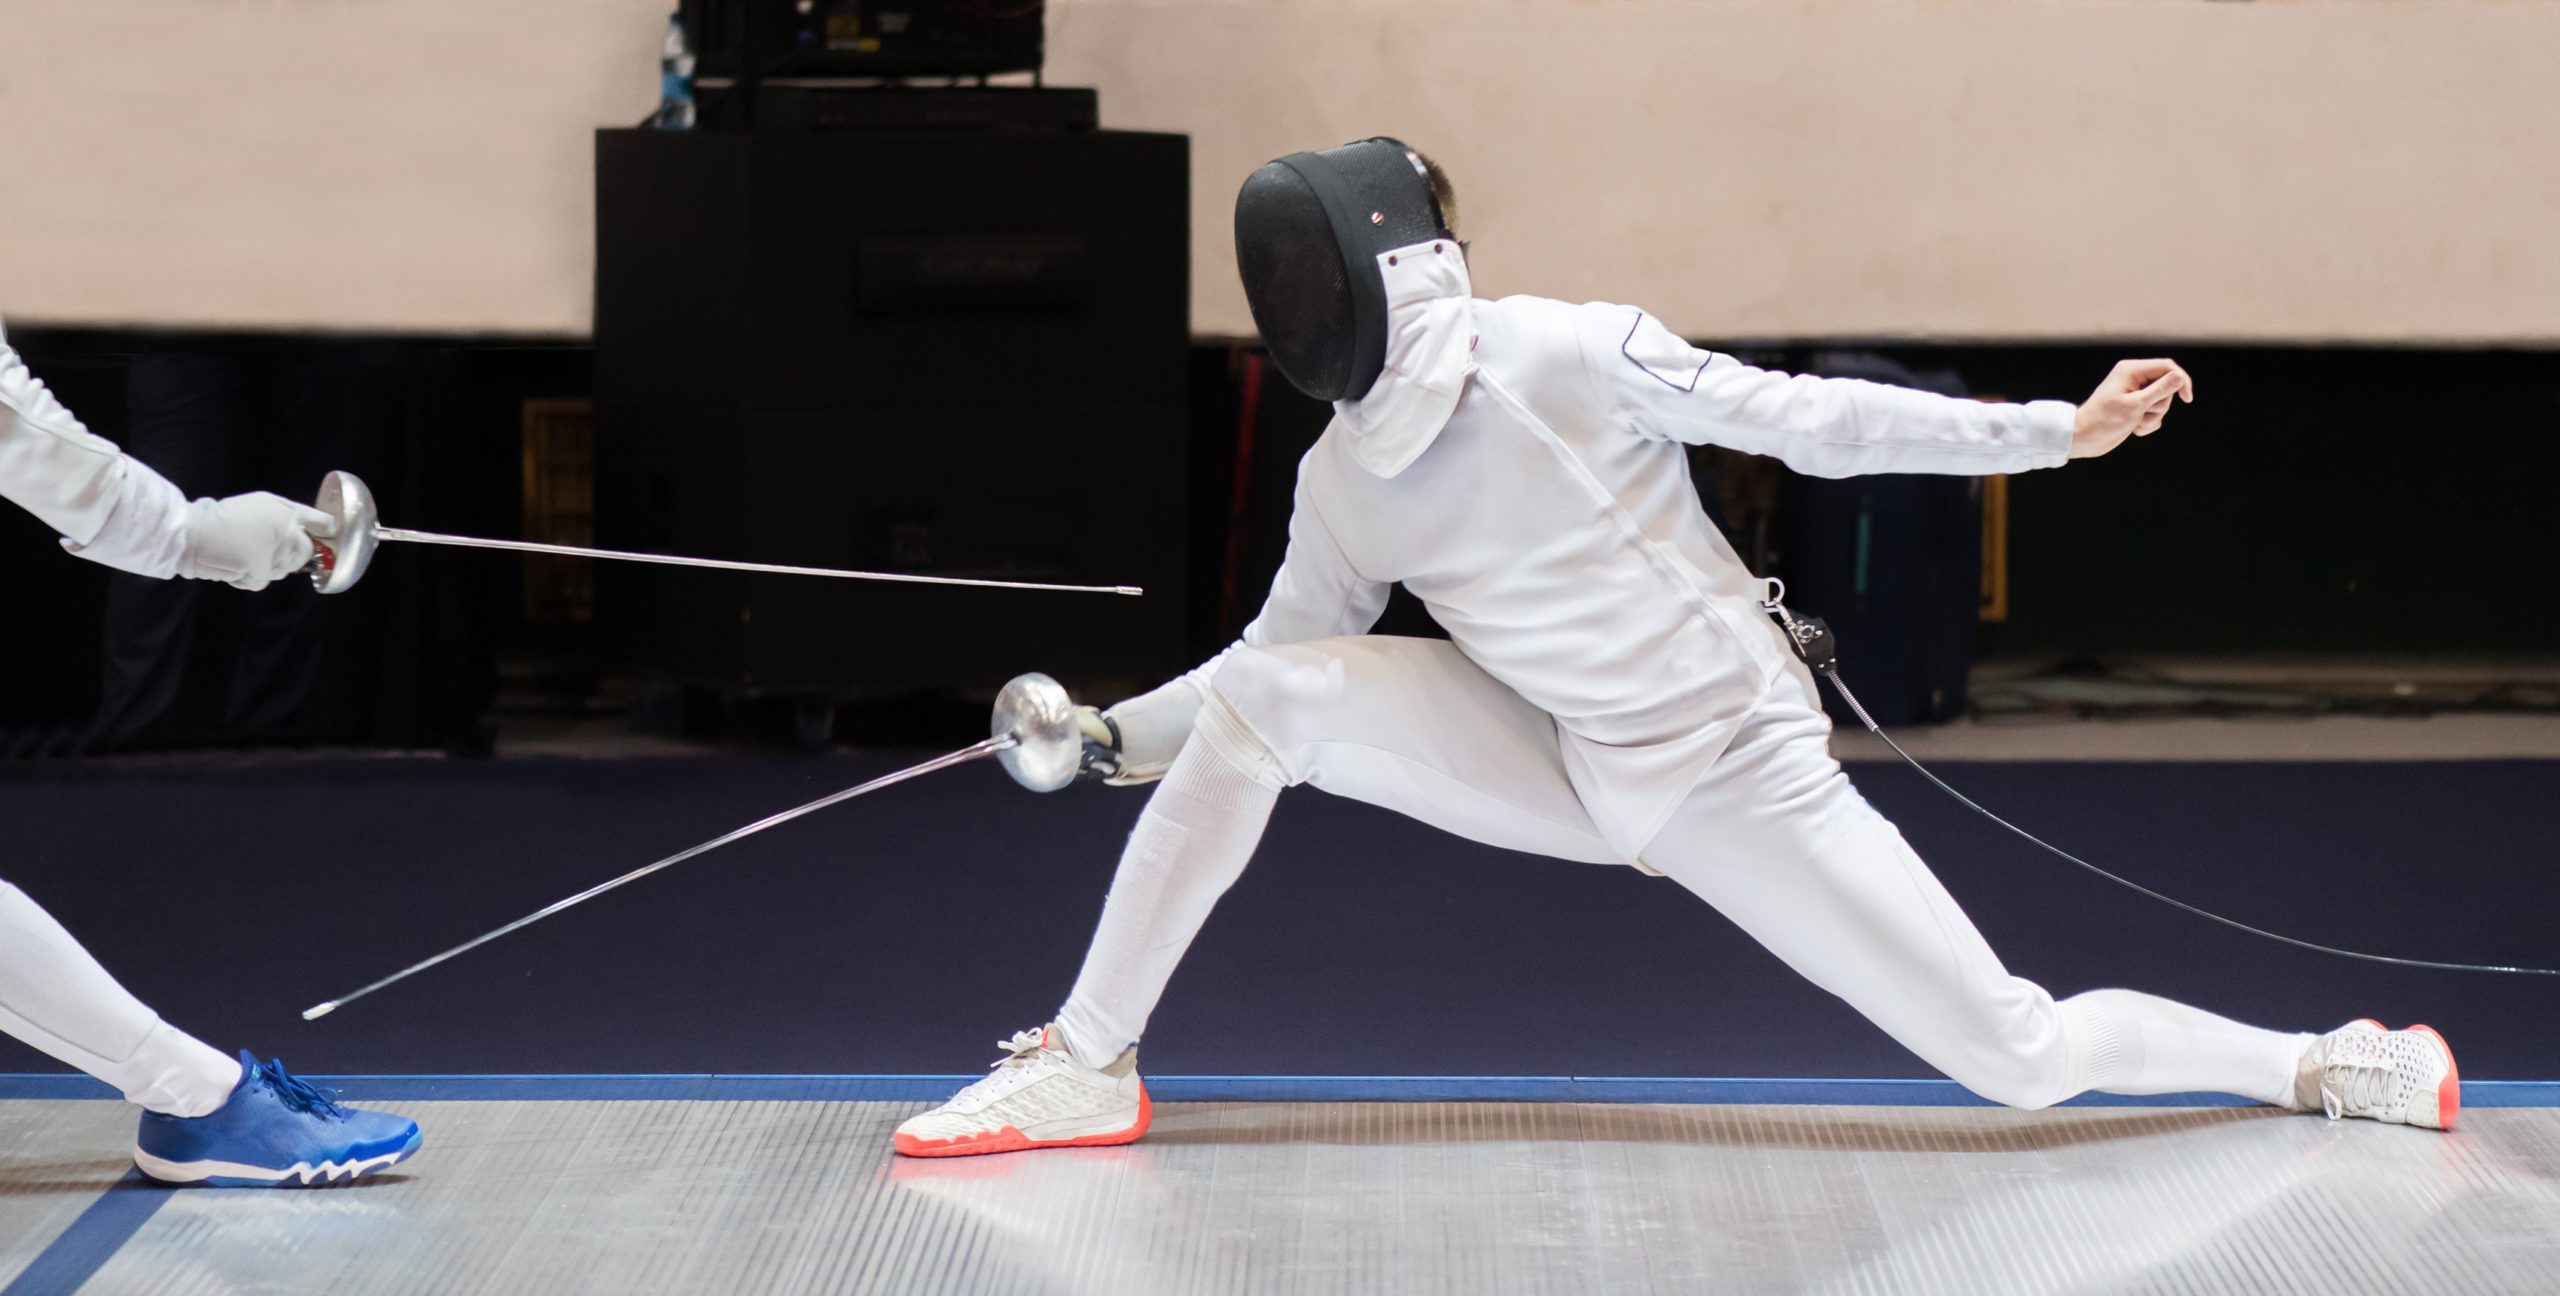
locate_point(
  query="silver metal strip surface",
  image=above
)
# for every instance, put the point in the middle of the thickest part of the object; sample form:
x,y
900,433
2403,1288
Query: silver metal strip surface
x,y
758,1197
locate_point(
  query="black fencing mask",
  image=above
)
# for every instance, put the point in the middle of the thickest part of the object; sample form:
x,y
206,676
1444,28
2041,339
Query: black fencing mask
x,y
1309,230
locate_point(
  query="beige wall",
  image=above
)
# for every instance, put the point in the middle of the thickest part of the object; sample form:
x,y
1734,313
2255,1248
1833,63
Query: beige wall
x,y
2294,169
358,164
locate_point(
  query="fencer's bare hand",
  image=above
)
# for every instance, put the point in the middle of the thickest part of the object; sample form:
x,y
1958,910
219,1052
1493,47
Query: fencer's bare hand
x,y
2130,403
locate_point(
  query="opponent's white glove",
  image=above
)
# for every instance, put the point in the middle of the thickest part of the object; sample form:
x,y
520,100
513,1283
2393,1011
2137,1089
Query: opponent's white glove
x,y
249,541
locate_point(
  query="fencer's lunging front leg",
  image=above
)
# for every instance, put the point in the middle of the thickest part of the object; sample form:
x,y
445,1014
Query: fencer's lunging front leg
x,y
1074,1082
1191,843
1408,724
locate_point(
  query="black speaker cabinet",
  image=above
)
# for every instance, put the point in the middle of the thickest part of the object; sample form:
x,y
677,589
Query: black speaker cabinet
x,y
947,354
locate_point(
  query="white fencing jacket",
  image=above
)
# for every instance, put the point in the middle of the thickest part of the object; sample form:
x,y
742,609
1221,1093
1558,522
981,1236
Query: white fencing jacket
x,y
1520,468
106,506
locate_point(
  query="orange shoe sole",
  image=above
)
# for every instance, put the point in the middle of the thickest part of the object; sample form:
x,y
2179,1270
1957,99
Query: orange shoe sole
x,y
1010,1139
2449,1090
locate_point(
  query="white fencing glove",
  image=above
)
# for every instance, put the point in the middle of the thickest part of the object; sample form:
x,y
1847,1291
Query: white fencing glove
x,y
1135,741
249,541
113,509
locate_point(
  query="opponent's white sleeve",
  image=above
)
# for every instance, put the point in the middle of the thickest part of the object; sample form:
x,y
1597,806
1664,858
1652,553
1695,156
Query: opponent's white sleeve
x,y
108,508
1827,427
1317,594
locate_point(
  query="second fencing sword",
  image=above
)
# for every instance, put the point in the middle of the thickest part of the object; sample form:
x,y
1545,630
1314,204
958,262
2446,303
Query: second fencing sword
x,y
338,561
1033,733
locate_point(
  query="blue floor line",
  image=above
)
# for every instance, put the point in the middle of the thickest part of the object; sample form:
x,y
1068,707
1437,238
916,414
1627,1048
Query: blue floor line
x,y
72,1258
929,1088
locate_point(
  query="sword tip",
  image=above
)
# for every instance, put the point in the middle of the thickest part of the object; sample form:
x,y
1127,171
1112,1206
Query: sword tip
x,y
317,1011
1131,590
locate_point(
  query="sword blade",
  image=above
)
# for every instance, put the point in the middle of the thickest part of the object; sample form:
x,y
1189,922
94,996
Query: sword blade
x,y
990,747
670,560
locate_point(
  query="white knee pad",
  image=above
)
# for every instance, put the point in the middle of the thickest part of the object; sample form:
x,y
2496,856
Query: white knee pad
x,y
1256,700
2034,1057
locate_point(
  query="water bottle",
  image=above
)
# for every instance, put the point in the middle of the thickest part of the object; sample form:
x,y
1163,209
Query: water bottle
x,y
675,78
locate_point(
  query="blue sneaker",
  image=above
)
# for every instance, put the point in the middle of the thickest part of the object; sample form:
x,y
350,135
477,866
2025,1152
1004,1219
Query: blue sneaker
x,y
275,1131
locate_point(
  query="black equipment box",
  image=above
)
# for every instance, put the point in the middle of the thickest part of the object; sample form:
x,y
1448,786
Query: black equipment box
x,y
797,106
760,39
955,354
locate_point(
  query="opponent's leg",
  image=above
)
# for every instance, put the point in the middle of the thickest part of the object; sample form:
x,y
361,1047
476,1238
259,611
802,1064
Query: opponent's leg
x,y
186,415
207,1118
56,999
1779,841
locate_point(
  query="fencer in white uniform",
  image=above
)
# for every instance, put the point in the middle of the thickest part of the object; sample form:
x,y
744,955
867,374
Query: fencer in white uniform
x,y
198,1126
1611,690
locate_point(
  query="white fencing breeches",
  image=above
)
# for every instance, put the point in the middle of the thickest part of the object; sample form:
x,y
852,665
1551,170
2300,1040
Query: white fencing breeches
x,y
55,998
1775,838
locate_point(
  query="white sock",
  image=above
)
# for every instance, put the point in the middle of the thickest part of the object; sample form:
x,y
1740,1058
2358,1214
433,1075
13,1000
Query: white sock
x,y
1190,845
56,998
2144,1044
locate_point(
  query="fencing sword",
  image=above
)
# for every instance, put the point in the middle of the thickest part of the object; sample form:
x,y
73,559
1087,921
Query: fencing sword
x,y
338,560
1033,735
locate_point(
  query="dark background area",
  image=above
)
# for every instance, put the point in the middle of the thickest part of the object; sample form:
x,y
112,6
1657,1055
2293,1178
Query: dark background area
x,y
411,660
2301,506
2313,500
958,354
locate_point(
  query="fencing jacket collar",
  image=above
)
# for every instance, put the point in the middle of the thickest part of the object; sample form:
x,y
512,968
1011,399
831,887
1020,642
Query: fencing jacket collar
x,y
1431,338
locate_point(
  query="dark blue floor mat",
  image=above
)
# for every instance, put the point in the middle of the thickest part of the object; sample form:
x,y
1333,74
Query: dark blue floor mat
x,y
905,933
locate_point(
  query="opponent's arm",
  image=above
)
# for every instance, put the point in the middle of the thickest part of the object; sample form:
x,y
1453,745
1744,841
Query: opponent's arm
x,y
113,510
1844,427
1316,595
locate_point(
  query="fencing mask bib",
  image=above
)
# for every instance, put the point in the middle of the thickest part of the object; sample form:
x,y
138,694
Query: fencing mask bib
x,y
1310,228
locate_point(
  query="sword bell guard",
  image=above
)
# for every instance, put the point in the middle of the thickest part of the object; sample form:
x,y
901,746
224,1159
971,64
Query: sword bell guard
x,y
1035,711
338,561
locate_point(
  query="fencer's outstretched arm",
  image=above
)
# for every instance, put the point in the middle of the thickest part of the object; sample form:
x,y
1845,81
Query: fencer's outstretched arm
x,y
1661,386
113,510
1317,594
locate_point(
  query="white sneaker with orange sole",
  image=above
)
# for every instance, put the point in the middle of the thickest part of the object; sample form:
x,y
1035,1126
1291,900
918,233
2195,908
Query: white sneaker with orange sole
x,y
1038,1096
2400,1077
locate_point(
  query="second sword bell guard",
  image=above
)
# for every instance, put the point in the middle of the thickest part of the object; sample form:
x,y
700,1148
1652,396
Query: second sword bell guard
x,y
338,561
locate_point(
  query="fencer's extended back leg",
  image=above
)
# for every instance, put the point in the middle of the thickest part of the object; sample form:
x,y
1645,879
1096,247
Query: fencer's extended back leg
x,y
1410,725
1780,842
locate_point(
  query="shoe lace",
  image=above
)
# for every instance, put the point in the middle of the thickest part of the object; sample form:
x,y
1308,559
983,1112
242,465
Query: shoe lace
x,y
1021,1049
298,1093
1019,1052
2360,1075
